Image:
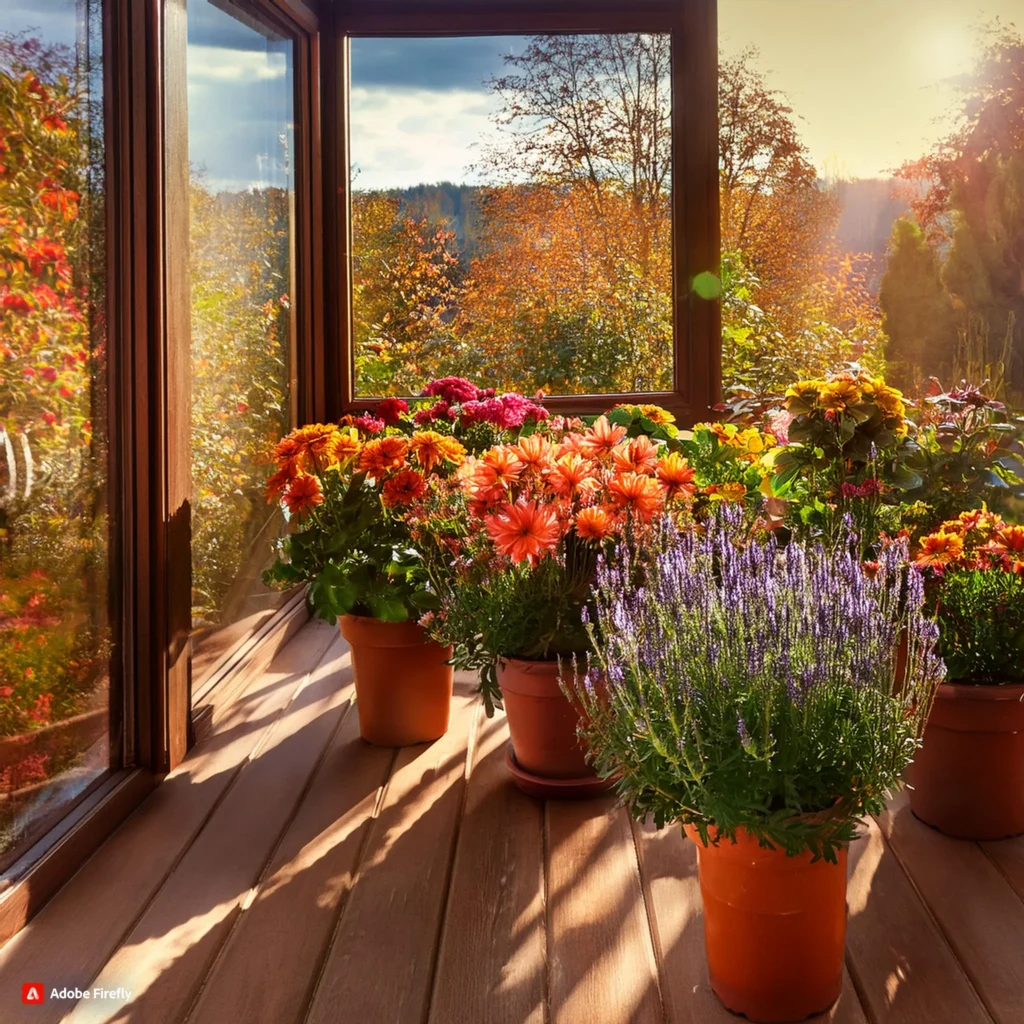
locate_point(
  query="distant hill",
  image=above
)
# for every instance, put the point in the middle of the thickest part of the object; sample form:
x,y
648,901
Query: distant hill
x,y
453,205
865,223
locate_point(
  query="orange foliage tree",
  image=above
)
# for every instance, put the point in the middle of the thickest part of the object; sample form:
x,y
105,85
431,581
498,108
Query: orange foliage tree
x,y
405,277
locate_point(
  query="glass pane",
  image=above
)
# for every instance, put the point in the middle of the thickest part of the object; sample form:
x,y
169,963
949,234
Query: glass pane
x,y
54,634
511,213
240,117
872,159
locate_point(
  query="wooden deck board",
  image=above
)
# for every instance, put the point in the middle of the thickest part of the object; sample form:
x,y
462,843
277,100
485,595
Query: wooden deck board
x,y
1008,856
669,869
972,903
289,872
166,956
381,963
491,964
904,971
268,967
600,956
72,937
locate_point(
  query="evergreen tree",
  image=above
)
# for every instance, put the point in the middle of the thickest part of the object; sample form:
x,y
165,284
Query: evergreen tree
x,y
917,312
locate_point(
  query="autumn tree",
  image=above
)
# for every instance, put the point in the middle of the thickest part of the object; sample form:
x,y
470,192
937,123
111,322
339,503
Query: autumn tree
x,y
973,202
774,210
240,278
405,278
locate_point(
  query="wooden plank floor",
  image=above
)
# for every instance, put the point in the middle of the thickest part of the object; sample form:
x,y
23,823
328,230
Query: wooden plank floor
x,y
287,872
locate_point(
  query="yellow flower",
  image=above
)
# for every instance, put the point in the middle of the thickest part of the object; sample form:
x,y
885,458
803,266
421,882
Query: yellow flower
x,y
839,394
890,401
429,448
346,446
805,390
726,492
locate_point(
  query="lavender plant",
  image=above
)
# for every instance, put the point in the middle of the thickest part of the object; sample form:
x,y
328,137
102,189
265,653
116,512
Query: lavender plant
x,y
746,684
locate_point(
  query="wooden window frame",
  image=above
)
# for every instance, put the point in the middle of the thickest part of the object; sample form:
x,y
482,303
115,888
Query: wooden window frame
x,y
296,21
692,25
147,379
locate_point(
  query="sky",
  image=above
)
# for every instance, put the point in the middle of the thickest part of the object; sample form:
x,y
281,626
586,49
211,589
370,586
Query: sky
x,y
872,82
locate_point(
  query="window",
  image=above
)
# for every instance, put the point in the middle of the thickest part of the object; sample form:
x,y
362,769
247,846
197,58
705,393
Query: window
x,y
511,212
243,310
55,638
871,168
529,202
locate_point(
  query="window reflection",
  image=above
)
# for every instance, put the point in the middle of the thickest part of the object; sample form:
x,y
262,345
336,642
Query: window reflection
x,y
240,115
54,636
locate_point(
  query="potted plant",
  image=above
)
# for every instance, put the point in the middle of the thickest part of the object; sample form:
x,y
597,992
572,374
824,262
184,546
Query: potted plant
x,y
968,778
748,691
349,497
534,517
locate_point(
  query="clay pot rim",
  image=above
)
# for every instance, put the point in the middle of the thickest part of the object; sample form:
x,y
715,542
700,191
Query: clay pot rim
x,y
371,632
746,846
954,690
539,664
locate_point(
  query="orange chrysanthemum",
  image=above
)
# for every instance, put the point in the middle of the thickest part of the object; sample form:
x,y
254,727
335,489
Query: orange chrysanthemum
x,y
677,475
287,452
313,444
278,483
534,452
638,455
524,531
303,493
642,495
382,456
403,488
430,449
601,438
346,446
939,549
595,523
572,474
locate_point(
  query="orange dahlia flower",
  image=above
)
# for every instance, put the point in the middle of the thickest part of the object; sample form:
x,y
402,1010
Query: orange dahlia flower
x,y
303,493
524,531
601,438
572,474
382,456
534,452
638,455
403,488
642,495
677,475
499,466
939,549
1010,538
595,523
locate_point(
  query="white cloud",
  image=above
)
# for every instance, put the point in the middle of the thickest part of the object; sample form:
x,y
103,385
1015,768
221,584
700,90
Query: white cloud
x,y
219,64
410,137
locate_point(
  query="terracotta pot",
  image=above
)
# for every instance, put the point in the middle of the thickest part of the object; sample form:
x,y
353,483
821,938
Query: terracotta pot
x,y
403,681
774,928
968,777
542,721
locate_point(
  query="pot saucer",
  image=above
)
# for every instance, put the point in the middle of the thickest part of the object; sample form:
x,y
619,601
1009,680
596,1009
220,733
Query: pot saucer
x,y
543,788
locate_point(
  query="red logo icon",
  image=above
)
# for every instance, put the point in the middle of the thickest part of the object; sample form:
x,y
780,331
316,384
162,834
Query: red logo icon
x,y
33,992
